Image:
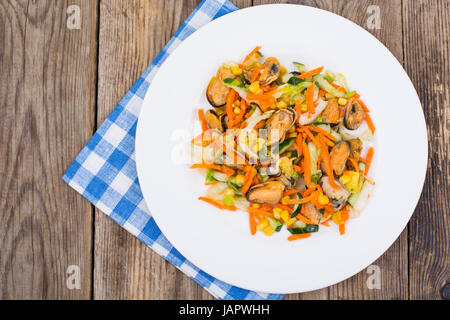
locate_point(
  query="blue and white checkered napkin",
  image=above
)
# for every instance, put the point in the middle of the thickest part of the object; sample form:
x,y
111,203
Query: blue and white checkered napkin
x,y
105,170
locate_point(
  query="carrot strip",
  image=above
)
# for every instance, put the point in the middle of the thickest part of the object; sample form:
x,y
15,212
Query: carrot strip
x,y
304,219
260,212
297,168
325,223
368,160
298,142
342,229
241,114
322,131
354,164
363,105
370,123
248,180
320,95
299,236
255,73
284,207
327,141
310,98
311,136
307,164
338,87
290,192
201,117
310,73
327,165
217,204
251,53
229,106
299,201
252,221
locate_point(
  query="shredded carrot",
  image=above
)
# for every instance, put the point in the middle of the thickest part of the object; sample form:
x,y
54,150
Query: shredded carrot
x,y
298,142
354,164
368,160
322,131
291,192
266,207
252,223
261,212
241,114
338,87
310,98
284,207
320,95
226,170
201,117
299,236
325,223
327,165
299,201
342,229
311,136
304,219
310,73
297,168
248,179
255,73
307,164
327,141
229,106
248,57
217,204
363,105
370,123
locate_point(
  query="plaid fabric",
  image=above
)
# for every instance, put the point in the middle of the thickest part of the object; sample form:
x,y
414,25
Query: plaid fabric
x,y
105,170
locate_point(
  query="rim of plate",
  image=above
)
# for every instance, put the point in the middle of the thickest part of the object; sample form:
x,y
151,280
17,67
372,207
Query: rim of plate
x,y
205,261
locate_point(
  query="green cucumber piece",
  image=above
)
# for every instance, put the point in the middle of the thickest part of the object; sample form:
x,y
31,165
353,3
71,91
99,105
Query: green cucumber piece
x,y
299,66
310,228
274,224
297,207
325,85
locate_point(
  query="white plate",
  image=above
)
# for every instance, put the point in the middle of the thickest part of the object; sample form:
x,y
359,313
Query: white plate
x,y
219,242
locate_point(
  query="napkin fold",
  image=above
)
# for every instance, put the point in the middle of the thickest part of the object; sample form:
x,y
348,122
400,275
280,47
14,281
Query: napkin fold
x,y
105,170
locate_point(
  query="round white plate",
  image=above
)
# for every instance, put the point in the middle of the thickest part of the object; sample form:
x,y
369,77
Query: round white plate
x,y
219,242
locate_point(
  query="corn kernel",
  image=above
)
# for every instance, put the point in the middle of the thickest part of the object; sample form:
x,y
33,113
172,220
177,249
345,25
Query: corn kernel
x,y
258,65
328,96
290,222
284,200
277,212
342,101
283,70
240,179
237,110
292,129
281,105
268,231
292,135
237,103
323,199
236,70
228,192
337,218
303,107
285,216
256,205
254,87
344,179
262,224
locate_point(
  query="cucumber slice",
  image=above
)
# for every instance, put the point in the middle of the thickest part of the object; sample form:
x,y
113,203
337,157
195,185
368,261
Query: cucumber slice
x,y
310,228
285,145
325,85
297,207
274,224
299,66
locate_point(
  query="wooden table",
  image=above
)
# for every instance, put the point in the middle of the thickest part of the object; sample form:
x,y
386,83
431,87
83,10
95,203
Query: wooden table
x,y
58,84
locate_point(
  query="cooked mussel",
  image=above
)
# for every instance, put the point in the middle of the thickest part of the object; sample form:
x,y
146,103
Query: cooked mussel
x,y
354,115
355,148
268,192
339,155
331,113
223,122
337,196
312,213
217,91
213,120
270,73
278,125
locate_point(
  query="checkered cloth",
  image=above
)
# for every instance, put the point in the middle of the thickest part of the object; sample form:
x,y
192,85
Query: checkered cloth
x,y
105,170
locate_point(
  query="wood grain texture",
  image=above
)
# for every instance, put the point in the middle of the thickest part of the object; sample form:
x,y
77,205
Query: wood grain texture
x,y
394,263
132,33
426,28
46,100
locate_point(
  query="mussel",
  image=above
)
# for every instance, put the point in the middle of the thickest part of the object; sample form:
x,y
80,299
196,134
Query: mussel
x,y
278,125
268,192
312,213
354,115
338,196
271,72
331,112
339,155
355,148
217,91
213,120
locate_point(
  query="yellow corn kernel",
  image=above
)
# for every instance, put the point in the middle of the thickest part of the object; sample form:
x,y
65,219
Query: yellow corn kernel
x,y
337,218
237,103
290,222
328,96
254,87
304,107
281,104
285,216
237,110
277,212
283,70
258,64
344,179
268,231
291,129
236,70
256,205
284,199
240,179
228,192
323,199
292,135
342,101
262,224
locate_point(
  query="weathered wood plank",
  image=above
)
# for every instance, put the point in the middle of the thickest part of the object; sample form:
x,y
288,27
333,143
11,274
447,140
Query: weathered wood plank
x,y
47,97
426,28
132,33
393,264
